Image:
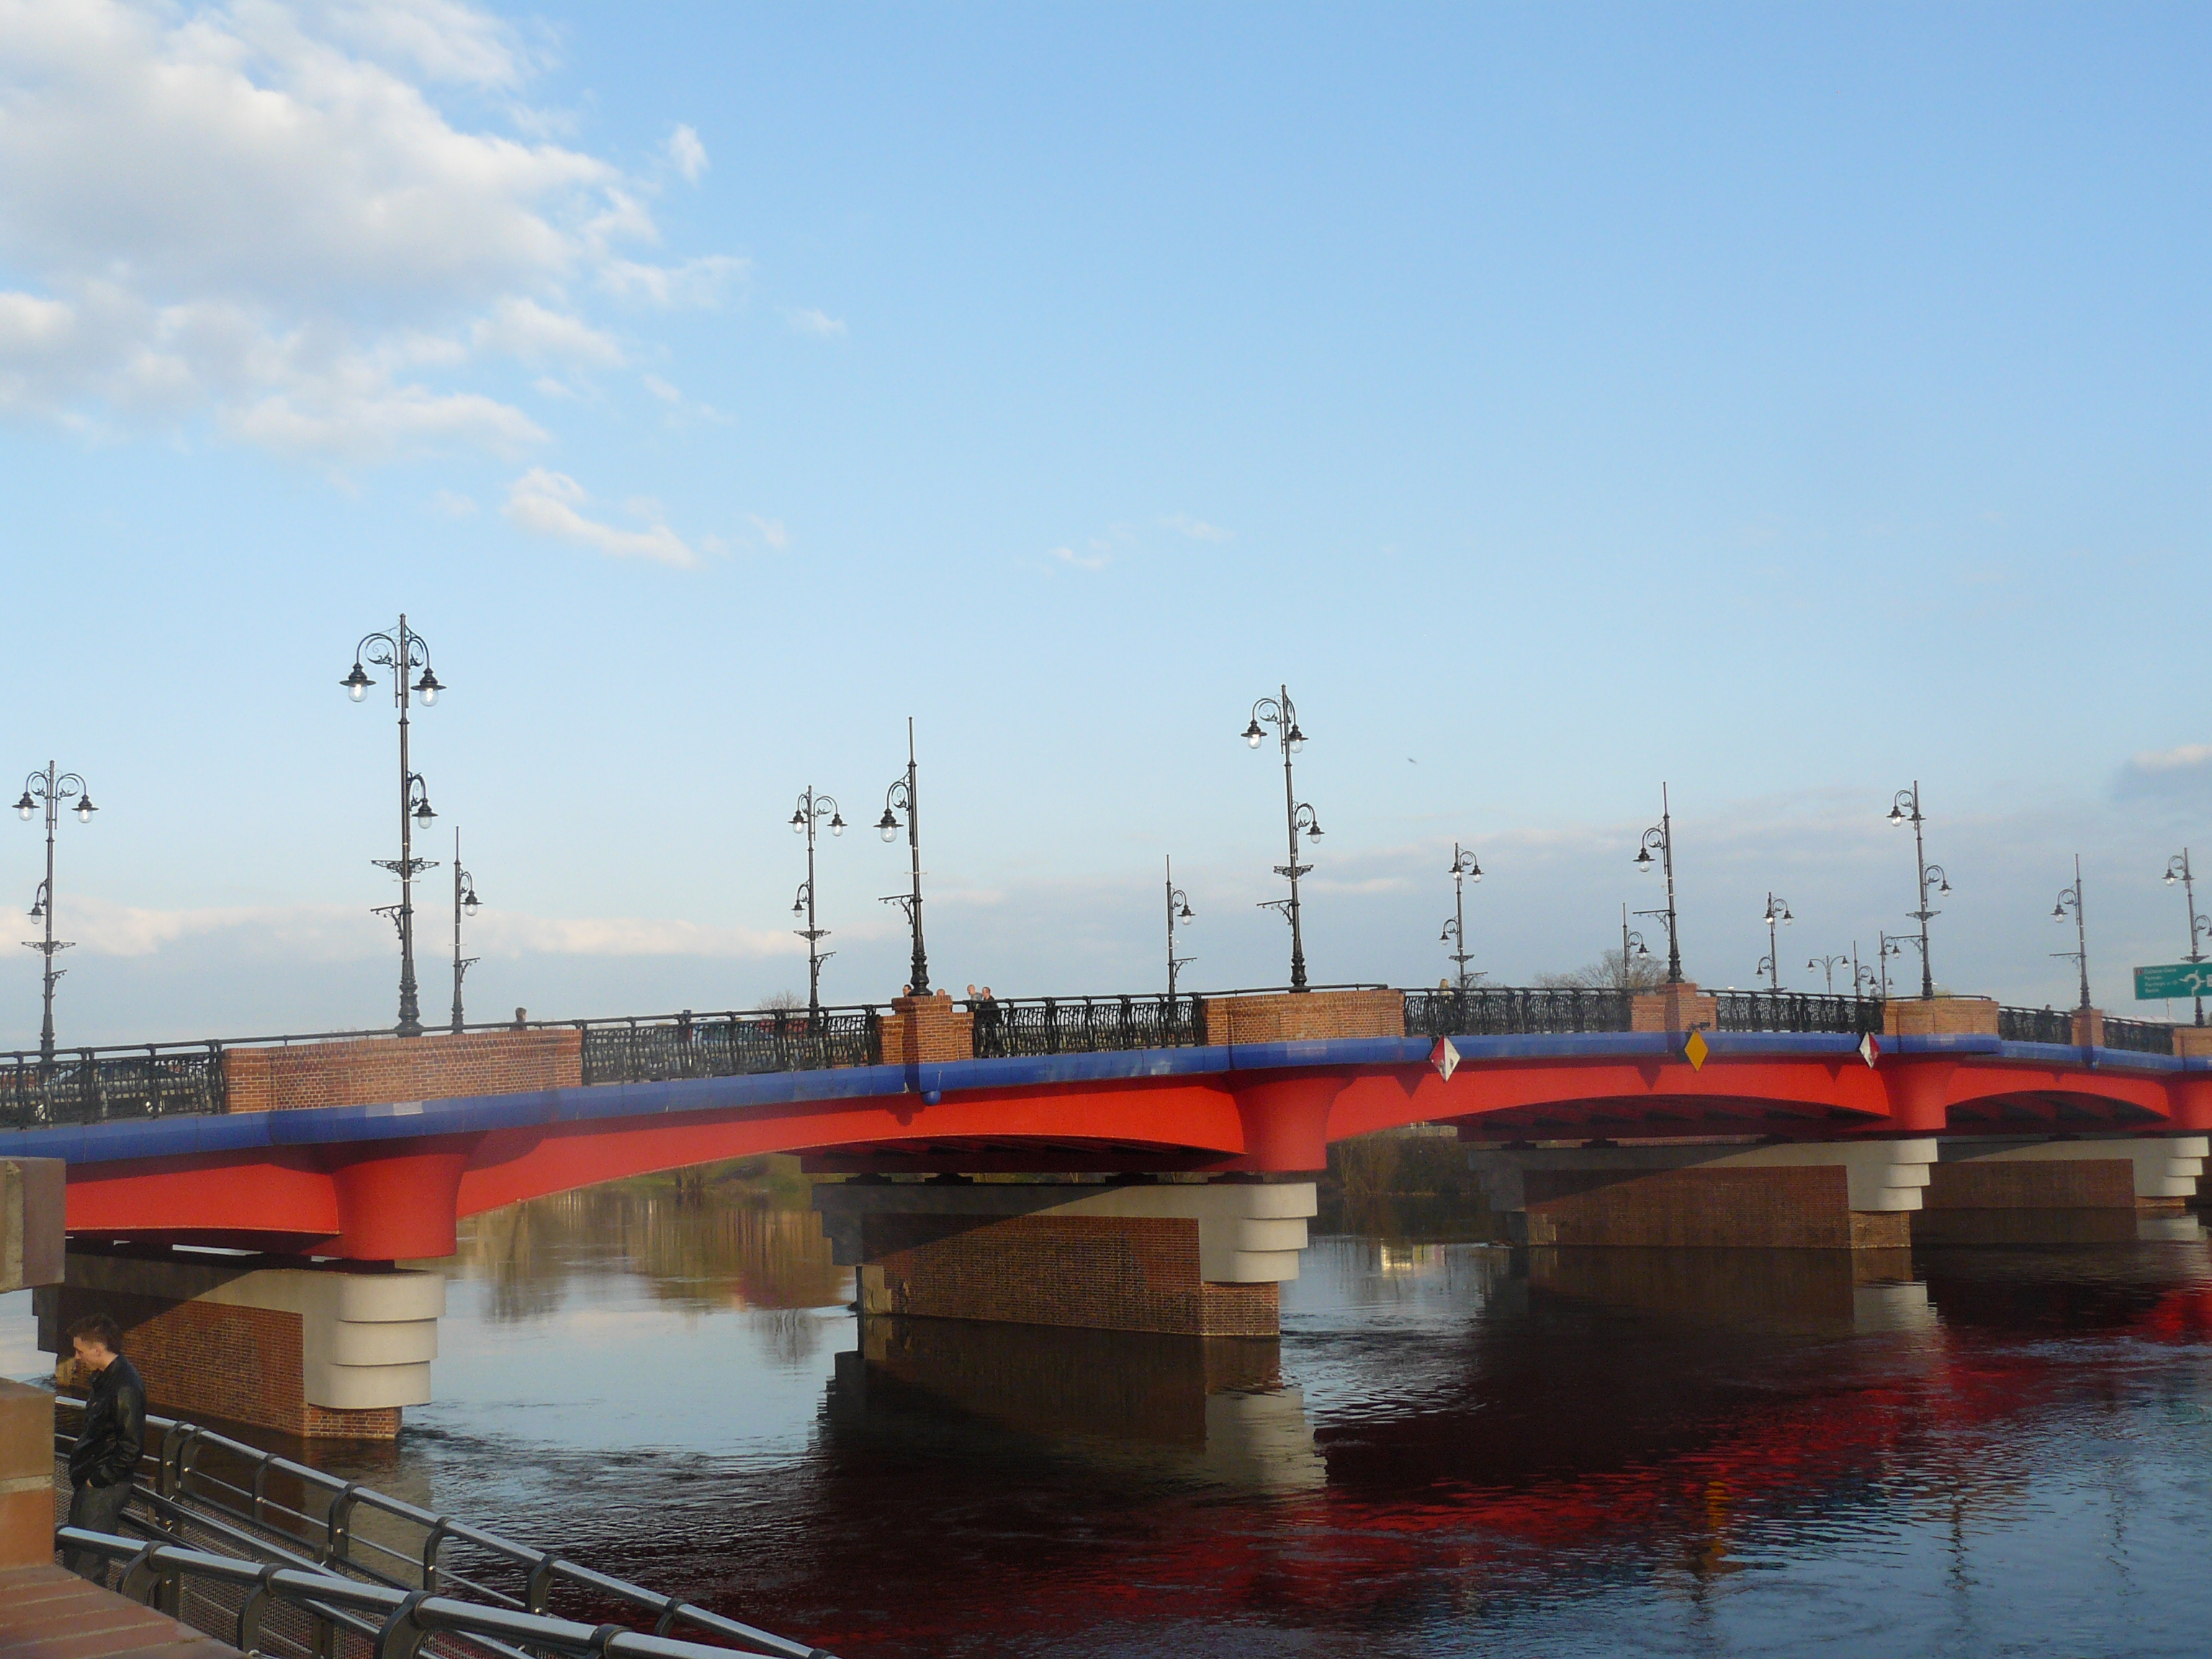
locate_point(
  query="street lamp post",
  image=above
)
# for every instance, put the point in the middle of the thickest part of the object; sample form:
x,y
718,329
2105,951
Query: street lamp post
x,y
901,798
2177,869
1178,910
2070,898
465,900
1893,944
1864,979
402,651
1297,815
1778,915
48,790
1828,965
810,810
1906,809
1464,869
1632,949
1662,836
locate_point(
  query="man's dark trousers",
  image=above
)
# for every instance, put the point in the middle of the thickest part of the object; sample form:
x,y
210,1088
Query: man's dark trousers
x,y
96,1508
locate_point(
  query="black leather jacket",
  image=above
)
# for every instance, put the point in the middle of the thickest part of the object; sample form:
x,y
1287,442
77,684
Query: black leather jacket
x,y
114,1432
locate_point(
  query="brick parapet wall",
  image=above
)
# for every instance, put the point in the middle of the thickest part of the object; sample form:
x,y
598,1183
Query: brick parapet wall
x,y
928,1029
2089,1028
2193,1041
26,1475
1304,1016
371,1071
1094,1272
1940,1016
209,1360
1680,1007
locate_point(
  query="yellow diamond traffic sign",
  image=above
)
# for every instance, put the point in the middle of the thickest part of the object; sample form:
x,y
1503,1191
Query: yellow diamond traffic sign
x,y
1696,1049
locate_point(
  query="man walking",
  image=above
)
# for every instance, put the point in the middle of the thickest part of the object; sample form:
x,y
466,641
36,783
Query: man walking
x,y
104,1460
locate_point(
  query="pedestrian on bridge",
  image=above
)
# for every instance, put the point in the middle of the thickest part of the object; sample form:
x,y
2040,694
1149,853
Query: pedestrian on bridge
x,y
104,1460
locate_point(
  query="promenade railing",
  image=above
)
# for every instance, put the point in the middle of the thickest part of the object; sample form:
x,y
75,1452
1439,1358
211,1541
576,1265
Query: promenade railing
x,y
206,1494
2040,1025
90,1085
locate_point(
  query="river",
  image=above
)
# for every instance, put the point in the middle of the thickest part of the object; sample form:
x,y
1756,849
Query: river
x,y
1455,1449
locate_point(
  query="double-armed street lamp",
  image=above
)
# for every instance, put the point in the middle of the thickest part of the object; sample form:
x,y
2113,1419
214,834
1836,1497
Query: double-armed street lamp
x,y
1778,915
1464,869
2177,869
901,798
402,651
1828,966
2070,898
48,790
1297,815
1893,944
805,818
1903,810
1178,910
465,901
1661,837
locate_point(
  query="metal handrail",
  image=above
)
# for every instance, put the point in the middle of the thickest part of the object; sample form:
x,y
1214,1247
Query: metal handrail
x,y
2036,1025
2139,1036
409,1617
179,1489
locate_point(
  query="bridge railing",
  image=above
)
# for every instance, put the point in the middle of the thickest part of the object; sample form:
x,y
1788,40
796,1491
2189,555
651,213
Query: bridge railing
x,y
91,1085
1084,1025
204,1491
653,1050
1512,1011
2139,1036
2040,1025
1796,1012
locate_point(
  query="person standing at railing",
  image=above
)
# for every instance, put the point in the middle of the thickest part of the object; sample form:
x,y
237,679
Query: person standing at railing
x,y
104,1460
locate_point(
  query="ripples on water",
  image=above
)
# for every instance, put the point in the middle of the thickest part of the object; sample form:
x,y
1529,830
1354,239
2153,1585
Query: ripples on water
x,y
1451,1451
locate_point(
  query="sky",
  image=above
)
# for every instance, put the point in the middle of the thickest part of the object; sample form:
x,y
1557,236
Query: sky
x,y
1785,404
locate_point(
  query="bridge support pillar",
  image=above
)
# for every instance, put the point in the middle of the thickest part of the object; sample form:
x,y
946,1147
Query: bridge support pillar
x,y
1181,1259
1844,1195
318,1351
2021,1190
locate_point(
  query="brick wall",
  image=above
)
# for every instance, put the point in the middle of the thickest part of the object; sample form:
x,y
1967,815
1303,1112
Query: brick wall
x,y
1800,1208
1940,1016
26,1475
212,1363
1304,1015
1682,1007
928,1029
2031,1184
370,1071
1097,1273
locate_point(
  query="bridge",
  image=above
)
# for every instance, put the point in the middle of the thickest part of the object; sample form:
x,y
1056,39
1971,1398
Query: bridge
x,y
265,1192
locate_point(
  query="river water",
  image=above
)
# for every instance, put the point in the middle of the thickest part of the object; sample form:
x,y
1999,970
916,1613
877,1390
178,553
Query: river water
x,y
1453,1448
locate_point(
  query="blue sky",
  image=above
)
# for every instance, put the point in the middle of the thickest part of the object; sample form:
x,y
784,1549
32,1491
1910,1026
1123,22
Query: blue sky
x,y
1784,404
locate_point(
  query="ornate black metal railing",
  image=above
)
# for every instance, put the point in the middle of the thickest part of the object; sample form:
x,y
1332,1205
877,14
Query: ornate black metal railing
x,y
1796,1010
262,1514
91,1085
653,1050
1508,1011
1084,1025
2139,1036
2035,1025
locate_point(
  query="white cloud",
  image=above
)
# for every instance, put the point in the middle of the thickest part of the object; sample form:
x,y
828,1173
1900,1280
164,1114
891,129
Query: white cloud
x,y
2183,770
689,155
1094,561
1197,529
551,504
819,324
771,532
453,504
255,215
661,389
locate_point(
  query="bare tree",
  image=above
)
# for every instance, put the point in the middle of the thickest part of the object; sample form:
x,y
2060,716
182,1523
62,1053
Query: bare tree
x,y
1610,972
781,1002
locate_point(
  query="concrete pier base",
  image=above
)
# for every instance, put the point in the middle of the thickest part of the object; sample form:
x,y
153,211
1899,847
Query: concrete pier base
x,y
2031,1190
1183,1260
309,1350
1838,1195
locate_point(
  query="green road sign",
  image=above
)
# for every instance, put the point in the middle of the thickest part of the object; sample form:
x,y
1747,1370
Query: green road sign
x,y
2178,979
